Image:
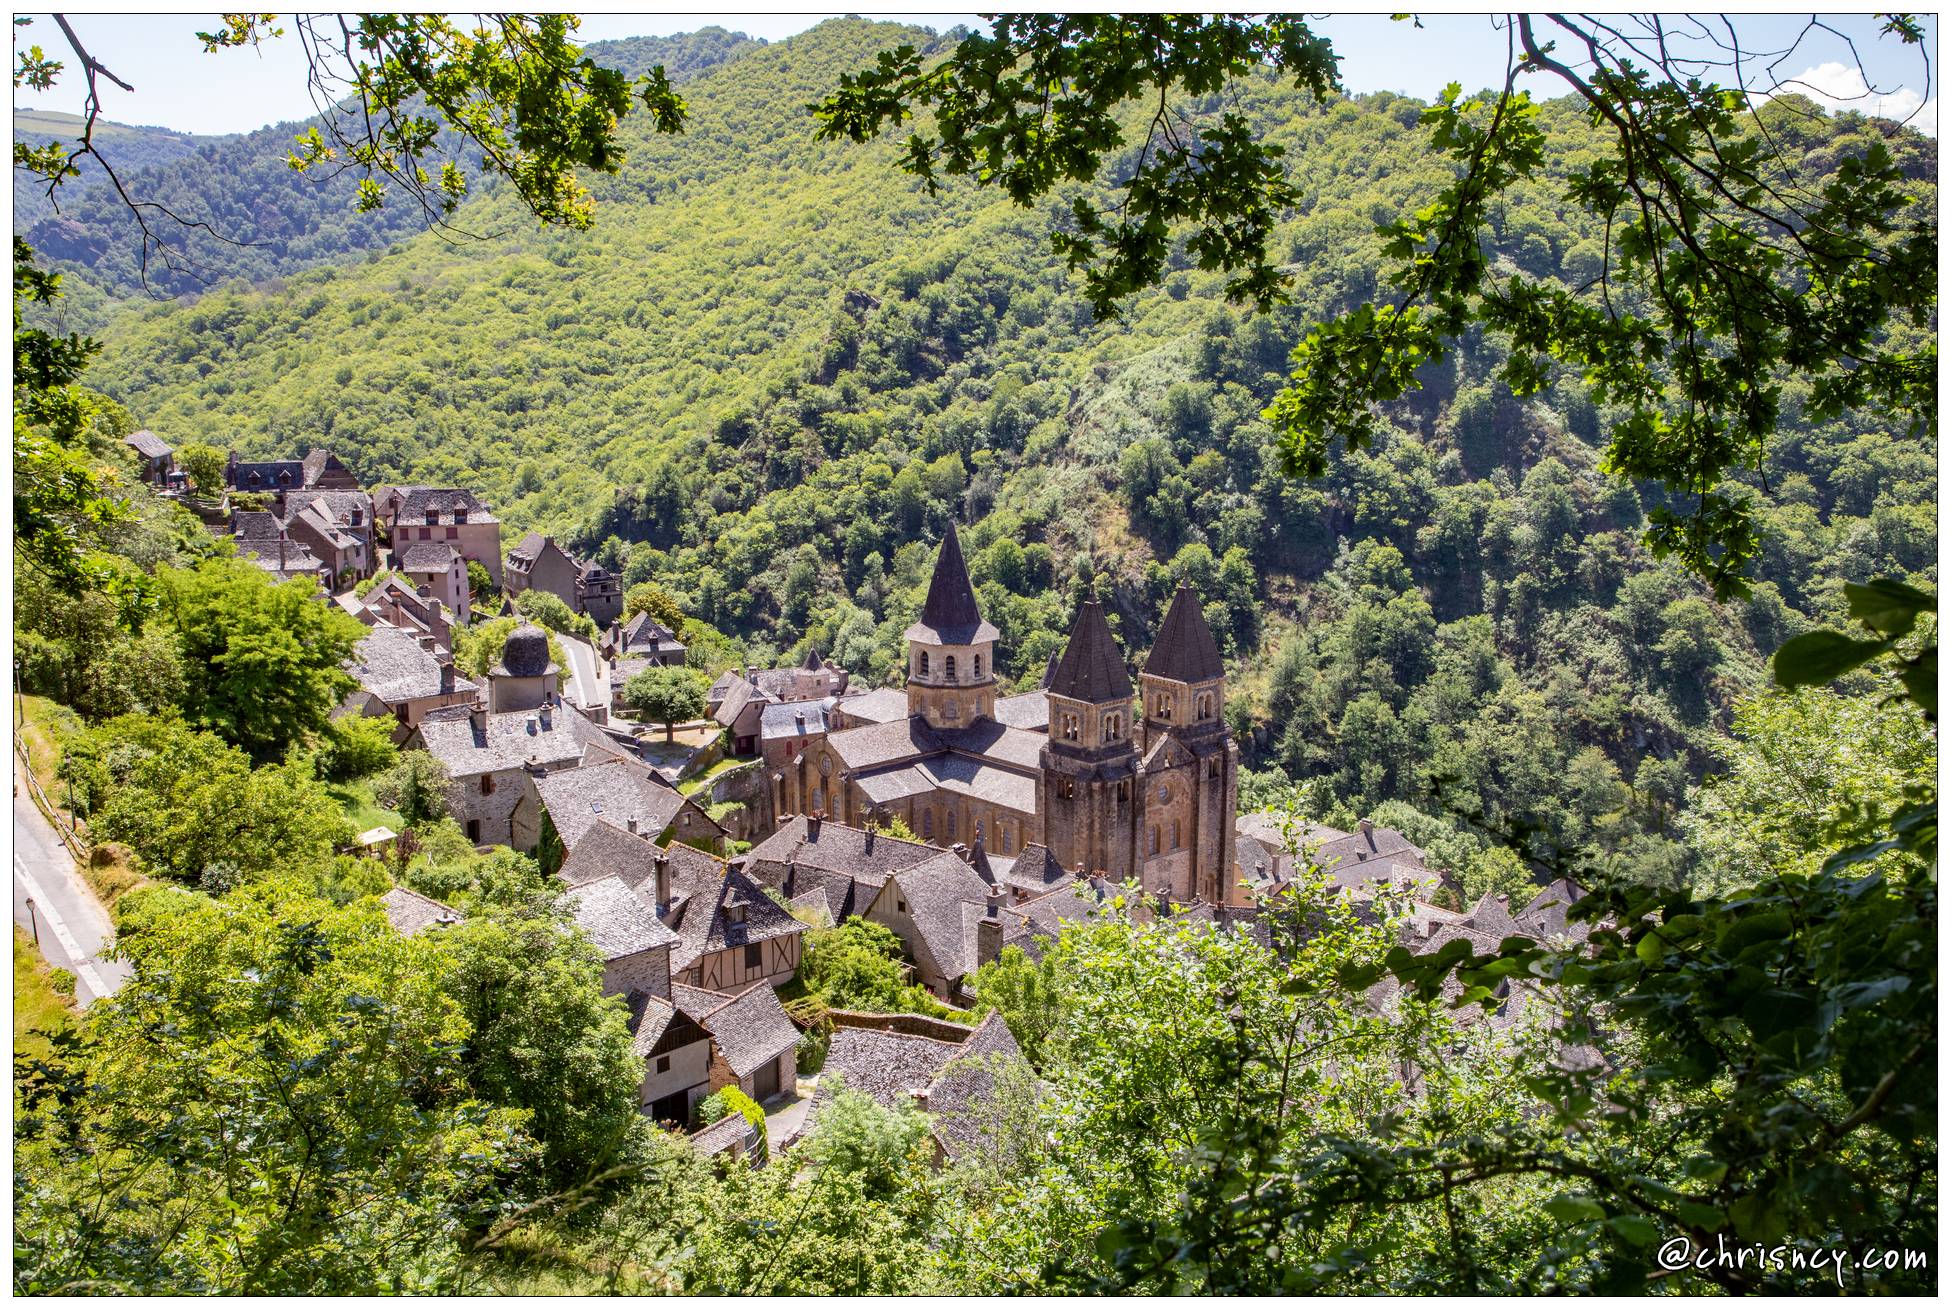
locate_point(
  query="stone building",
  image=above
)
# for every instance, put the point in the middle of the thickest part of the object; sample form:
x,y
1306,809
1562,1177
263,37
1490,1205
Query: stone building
x,y
540,564
489,758
450,514
525,677
438,567
1140,792
155,457
406,675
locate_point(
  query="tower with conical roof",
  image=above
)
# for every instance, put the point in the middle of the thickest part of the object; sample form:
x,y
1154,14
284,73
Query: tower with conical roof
x,y
951,651
1188,767
1084,787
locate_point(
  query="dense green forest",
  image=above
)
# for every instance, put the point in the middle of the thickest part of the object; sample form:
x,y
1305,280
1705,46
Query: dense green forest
x,y
766,381
265,220
776,370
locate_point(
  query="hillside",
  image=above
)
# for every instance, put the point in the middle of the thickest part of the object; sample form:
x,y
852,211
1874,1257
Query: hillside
x,y
281,222
775,371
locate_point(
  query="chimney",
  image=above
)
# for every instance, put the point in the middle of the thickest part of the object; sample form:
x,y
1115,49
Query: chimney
x,y
547,716
962,851
813,827
631,823
1366,826
989,931
446,665
867,842
529,723
534,766
663,866
477,718
427,641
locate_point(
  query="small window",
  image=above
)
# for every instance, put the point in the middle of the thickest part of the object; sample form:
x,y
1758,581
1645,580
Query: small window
x,y
1164,792
474,831
1110,727
1164,705
978,666
256,479
755,956
452,533
923,667
928,823
1124,792
1176,843
1205,705
901,905
487,784
948,665
663,1064
1154,843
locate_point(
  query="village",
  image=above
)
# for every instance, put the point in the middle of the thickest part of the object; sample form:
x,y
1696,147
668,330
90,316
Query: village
x,y
697,856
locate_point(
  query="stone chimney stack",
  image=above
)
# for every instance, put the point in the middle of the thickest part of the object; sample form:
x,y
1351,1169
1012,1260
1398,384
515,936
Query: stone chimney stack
x,y
631,823
813,827
477,718
867,842
989,931
663,866
546,715
446,665
1367,826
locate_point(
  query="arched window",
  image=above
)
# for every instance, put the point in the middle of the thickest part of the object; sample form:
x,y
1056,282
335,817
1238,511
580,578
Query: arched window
x,y
1070,727
928,824
1110,727
1175,834
951,825
1205,705
1124,792
978,667
1154,845
1164,792
948,665
1164,710
922,668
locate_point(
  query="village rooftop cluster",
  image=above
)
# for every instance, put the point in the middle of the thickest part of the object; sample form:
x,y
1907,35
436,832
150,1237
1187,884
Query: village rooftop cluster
x,y
697,865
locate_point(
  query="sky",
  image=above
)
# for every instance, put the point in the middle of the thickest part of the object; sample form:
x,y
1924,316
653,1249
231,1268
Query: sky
x,y
178,86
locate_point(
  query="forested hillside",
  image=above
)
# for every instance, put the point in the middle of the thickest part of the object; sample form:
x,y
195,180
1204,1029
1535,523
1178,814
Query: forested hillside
x,y
266,220
775,371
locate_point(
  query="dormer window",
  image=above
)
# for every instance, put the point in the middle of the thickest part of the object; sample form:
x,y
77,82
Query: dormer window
x,y
256,478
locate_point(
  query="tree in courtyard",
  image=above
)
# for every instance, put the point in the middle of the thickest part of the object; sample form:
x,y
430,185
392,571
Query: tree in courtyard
x,y
416,787
669,696
479,582
1027,993
263,661
205,465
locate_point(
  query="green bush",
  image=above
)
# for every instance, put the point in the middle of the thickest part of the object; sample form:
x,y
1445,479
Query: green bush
x,y
357,747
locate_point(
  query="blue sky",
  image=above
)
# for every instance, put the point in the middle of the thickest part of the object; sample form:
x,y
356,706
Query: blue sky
x,y
178,86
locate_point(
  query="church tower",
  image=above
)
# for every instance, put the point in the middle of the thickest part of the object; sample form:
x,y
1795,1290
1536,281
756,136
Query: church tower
x,y
1084,788
951,651
1188,771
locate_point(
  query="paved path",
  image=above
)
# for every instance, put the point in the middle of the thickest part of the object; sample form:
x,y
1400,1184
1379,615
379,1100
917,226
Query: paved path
x,y
74,928
783,1118
589,682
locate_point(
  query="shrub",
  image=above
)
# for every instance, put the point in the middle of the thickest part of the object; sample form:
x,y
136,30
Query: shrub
x,y
357,747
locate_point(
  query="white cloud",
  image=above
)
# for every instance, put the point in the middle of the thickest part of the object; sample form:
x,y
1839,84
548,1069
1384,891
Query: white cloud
x,y
1838,86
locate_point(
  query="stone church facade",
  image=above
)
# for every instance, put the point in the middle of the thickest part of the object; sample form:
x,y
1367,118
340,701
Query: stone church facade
x,y
1142,792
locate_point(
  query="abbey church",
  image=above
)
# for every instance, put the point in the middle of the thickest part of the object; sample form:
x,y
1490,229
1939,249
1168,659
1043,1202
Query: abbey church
x,y
1142,793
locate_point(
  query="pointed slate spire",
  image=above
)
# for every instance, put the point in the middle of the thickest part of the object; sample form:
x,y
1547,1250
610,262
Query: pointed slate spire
x,y
1185,650
1091,668
949,616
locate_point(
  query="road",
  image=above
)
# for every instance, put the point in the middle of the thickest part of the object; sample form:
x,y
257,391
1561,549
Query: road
x,y
74,928
589,681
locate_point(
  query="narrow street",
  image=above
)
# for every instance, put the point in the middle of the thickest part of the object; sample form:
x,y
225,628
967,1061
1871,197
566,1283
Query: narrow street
x,y
71,924
588,680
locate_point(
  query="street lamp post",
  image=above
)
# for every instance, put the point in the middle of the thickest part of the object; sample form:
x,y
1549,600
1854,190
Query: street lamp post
x,y
34,920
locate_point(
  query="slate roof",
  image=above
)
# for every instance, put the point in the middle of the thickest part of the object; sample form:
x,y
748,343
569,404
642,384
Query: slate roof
x,y
705,928
415,501
949,616
529,547
793,719
338,504
618,920
526,653
972,777
994,741
1545,915
280,556
644,633
1029,711
839,849
737,696
885,743
255,525
966,1082
749,1029
722,1136
881,705
425,557
149,445
390,664
268,471
409,912
507,742
1092,668
890,1067
615,791
320,519
1185,650
1035,870
607,851
649,1017
936,891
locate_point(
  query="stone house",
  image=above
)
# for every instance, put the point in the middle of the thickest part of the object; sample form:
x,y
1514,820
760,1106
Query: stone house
x,y
950,1075
263,540
490,757
732,936
623,926
557,808
754,1045
336,525
438,567
397,602
319,469
644,639
450,514
538,562
406,675
155,459
599,594
677,1055
738,700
